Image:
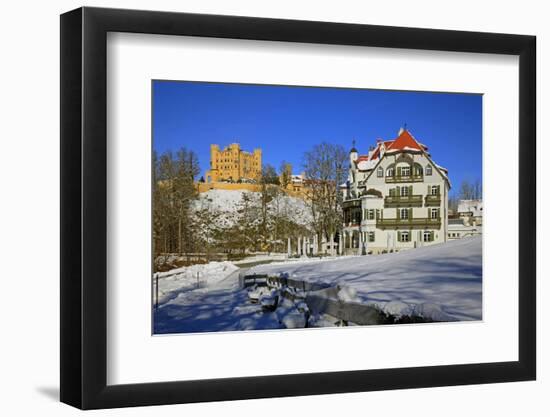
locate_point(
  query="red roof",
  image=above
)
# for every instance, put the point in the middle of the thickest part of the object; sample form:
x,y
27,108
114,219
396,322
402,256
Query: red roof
x,y
362,158
404,140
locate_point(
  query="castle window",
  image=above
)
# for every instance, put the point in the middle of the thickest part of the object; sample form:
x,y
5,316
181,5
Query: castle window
x,y
428,170
404,191
406,171
404,214
389,172
434,213
380,172
370,214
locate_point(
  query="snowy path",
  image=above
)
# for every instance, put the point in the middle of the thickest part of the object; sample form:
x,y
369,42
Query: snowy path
x,y
223,306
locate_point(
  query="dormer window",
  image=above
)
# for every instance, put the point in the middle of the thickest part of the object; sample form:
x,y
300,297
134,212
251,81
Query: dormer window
x,y
428,170
380,172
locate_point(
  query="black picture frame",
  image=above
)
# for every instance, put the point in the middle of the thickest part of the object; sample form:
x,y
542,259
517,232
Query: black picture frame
x,y
84,207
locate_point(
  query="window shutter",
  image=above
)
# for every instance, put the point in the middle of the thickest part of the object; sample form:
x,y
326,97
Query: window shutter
x,y
398,171
410,190
399,236
392,192
398,189
410,213
431,235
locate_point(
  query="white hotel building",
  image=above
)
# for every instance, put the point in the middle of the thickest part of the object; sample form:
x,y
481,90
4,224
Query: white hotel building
x,y
396,198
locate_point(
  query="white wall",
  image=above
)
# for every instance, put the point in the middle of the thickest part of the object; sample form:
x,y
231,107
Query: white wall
x,y
29,213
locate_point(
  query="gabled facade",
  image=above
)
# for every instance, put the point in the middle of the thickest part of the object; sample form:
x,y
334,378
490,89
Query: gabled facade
x,y
396,198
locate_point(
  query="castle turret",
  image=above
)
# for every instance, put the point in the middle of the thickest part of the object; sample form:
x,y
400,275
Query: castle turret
x,y
352,155
352,168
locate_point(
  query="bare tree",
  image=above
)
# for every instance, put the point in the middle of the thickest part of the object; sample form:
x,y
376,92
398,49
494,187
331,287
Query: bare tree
x,y
268,191
478,189
173,191
325,168
469,190
269,175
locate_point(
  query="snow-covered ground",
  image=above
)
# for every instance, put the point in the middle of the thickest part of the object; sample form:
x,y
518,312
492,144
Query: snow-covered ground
x,y
440,282
225,203
218,305
272,257
187,278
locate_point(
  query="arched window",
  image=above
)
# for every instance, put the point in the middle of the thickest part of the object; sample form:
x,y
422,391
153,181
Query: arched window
x,y
389,172
428,170
380,172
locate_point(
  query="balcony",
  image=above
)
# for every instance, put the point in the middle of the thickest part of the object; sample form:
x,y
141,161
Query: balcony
x,y
350,196
433,200
403,201
418,223
351,203
404,178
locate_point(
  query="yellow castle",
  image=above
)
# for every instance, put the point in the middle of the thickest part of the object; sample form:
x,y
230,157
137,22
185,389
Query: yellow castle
x,y
233,164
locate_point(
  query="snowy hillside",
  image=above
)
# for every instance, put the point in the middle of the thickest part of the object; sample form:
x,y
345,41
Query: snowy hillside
x,y
224,204
440,282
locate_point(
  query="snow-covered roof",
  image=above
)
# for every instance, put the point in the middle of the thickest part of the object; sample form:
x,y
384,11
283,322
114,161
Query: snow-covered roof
x,y
365,165
444,172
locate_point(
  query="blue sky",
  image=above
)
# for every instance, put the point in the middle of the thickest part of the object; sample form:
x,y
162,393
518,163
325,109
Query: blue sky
x,y
287,121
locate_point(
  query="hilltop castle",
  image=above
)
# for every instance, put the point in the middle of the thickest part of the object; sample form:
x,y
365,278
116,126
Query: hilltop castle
x,y
232,164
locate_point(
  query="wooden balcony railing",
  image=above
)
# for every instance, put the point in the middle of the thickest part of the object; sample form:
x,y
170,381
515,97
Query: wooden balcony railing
x,y
405,178
425,223
403,201
352,203
433,200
